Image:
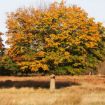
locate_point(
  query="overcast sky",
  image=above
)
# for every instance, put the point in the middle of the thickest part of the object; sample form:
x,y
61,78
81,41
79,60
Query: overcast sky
x,y
95,8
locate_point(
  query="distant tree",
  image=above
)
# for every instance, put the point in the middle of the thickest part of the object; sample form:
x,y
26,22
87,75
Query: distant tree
x,y
1,45
61,39
1,48
8,66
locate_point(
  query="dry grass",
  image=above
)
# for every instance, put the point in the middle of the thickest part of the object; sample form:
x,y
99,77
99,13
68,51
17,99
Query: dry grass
x,y
82,90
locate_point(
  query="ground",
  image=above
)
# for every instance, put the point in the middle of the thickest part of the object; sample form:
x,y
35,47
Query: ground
x,y
70,90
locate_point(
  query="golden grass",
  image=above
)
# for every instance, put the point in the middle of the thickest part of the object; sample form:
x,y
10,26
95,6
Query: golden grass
x,y
88,91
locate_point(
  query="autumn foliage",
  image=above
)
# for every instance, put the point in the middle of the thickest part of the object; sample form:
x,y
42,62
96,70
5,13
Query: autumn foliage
x,y
58,39
1,45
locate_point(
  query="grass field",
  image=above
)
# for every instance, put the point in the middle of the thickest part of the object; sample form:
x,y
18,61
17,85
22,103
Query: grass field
x,y
70,90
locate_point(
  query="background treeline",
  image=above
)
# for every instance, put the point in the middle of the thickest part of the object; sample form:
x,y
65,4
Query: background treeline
x,y
57,39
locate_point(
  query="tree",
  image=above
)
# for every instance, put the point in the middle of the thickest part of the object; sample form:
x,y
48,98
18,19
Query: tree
x,y
1,48
8,66
1,45
59,39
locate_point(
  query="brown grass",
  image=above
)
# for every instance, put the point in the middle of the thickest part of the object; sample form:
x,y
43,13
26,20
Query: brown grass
x,y
71,90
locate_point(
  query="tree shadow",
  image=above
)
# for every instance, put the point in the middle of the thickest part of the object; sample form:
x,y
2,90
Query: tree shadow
x,y
34,84
63,84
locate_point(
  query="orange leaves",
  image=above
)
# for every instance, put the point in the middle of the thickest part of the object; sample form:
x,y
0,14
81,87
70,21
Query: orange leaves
x,y
57,34
90,45
40,54
34,66
1,44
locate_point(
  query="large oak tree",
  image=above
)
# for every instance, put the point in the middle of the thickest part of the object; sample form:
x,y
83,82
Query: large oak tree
x,y
56,38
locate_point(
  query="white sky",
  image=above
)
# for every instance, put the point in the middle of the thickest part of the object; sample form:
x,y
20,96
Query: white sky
x,y
95,8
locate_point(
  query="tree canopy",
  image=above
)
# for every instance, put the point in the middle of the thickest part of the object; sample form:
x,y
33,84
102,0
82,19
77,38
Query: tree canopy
x,y
58,39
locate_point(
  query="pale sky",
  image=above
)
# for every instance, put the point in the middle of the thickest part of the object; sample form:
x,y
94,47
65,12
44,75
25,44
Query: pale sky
x,y
95,8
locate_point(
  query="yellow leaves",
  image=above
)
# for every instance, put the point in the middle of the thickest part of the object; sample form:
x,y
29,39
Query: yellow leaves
x,y
55,34
33,66
37,65
91,41
75,41
45,67
23,65
51,41
23,68
40,54
66,53
58,56
61,49
12,24
91,44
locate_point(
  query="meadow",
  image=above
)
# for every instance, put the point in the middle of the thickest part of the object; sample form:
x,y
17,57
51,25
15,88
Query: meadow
x,y
70,90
